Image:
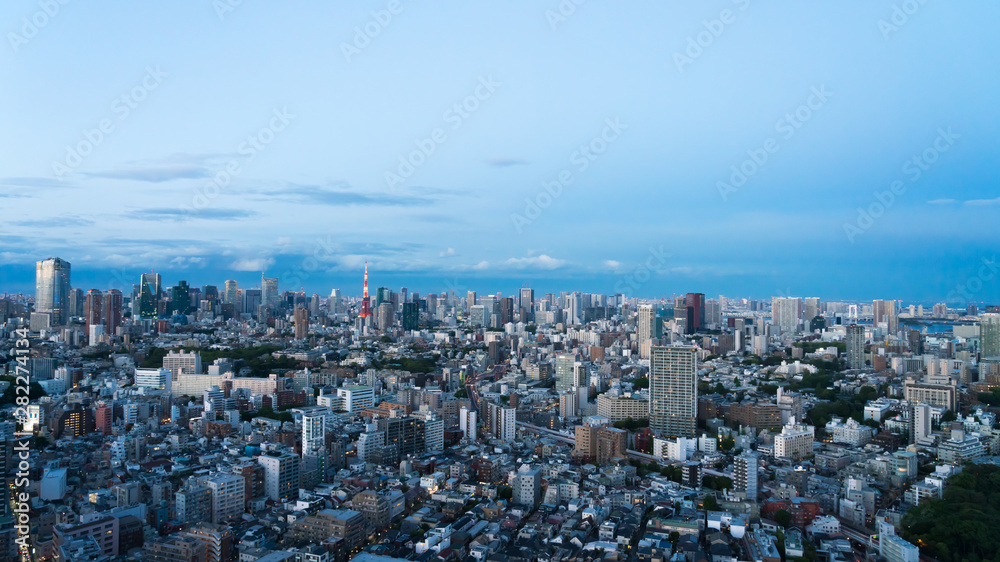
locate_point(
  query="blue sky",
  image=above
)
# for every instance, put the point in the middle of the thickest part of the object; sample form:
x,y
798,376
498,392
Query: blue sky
x,y
504,98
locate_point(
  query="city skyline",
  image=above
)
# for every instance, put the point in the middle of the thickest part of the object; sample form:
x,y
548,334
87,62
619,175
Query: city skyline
x,y
958,296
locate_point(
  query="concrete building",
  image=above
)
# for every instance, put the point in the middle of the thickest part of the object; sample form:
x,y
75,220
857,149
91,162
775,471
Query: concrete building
x,y
281,476
673,391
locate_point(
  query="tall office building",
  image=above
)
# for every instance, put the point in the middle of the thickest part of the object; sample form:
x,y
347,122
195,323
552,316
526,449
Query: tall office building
x,y
470,300
333,303
269,290
232,293
885,311
745,474
989,334
694,304
149,295
111,311
785,313
301,323
252,300
811,305
386,317
76,301
411,316
673,390
565,371
180,298
92,308
644,330
52,277
313,440
281,476
527,305
855,347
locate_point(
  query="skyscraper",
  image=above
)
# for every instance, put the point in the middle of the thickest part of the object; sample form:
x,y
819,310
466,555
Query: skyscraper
x,y
269,290
333,303
470,300
695,306
885,311
76,301
232,293
411,316
281,476
565,372
527,304
149,295
855,347
92,308
251,301
52,289
989,324
785,313
301,323
111,311
180,298
644,331
673,390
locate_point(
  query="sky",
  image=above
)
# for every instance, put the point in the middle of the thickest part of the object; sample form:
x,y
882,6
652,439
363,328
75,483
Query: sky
x,y
844,150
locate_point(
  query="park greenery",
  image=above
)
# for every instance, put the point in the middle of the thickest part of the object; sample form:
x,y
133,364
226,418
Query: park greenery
x,y
957,527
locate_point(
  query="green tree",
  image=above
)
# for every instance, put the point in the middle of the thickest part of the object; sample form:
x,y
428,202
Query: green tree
x,y
783,518
719,389
710,503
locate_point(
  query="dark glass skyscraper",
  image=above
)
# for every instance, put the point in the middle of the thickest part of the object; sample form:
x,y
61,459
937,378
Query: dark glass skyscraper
x,y
180,298
695,305
149,295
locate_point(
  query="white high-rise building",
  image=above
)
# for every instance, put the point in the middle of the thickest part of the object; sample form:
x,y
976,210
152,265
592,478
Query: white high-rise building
x,y
746,474
356,398
794,442
313,434
785,312
507,424
467,423
644,331
190,362
921,423
154,379
673,391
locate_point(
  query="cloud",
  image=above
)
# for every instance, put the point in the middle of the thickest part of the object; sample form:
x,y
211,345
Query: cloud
x,y
541,261
251,264
941,201
177,214
613,264
32,182
63,221
506,162
448,252
340,194
481,265
154,174
980,202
